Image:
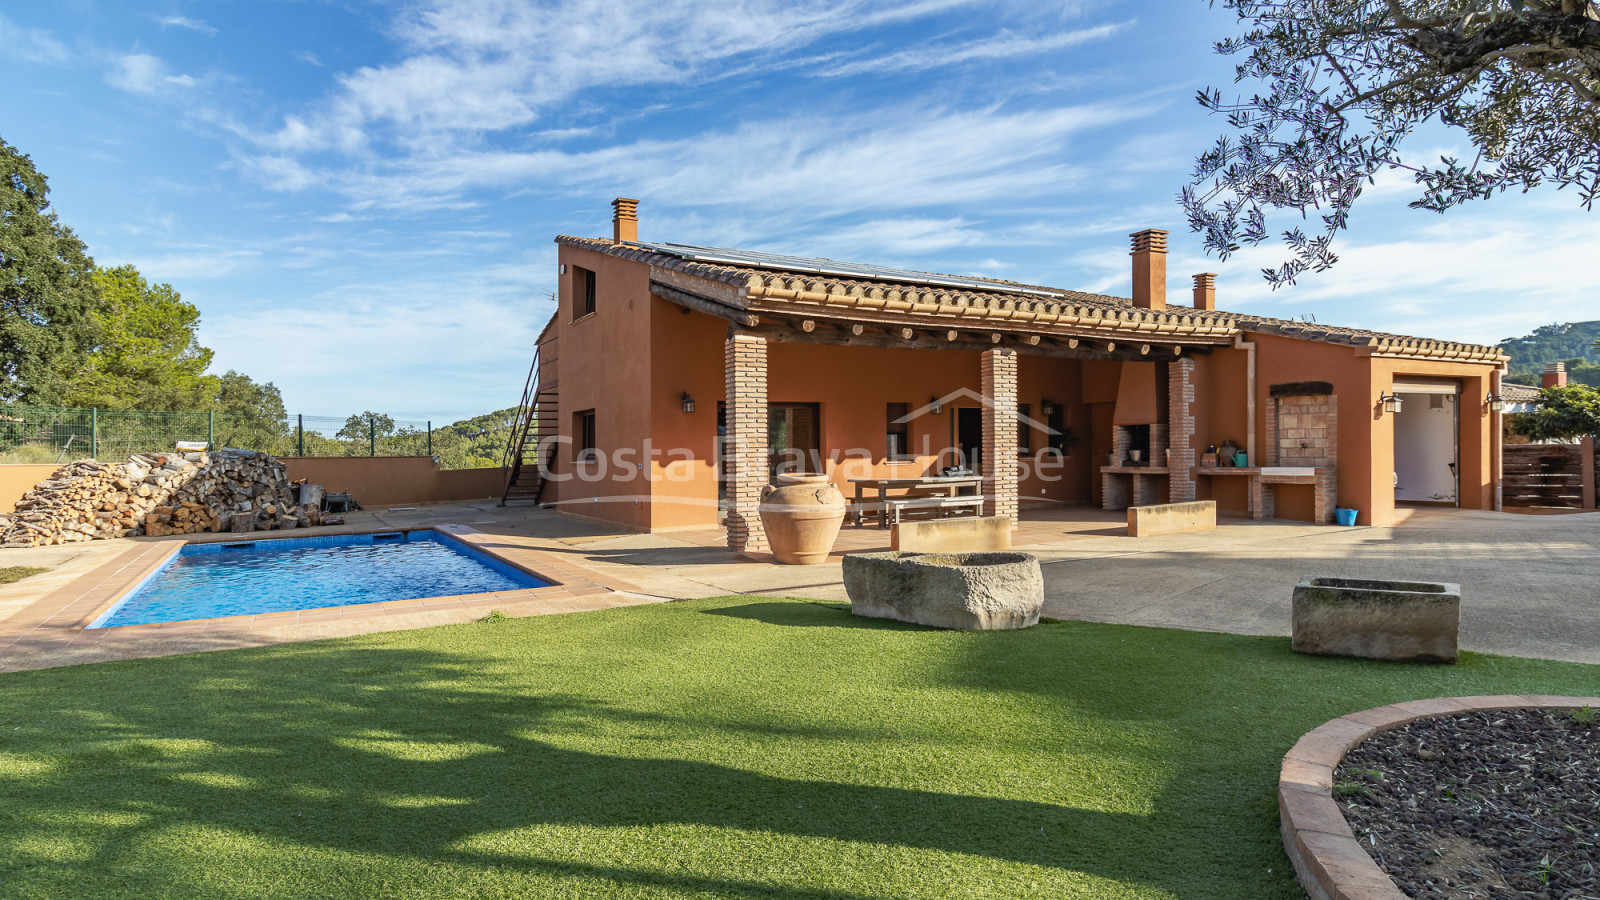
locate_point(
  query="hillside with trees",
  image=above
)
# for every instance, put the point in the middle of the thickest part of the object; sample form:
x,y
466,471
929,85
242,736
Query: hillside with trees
x,y
1574,343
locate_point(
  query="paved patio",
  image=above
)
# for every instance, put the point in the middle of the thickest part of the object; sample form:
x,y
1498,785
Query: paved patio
x,y
1530,584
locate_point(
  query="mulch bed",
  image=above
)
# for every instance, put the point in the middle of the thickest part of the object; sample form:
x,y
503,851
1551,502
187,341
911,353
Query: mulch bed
x,y
1481,805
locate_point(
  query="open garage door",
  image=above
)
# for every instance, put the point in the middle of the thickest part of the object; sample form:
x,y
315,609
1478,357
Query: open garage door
x,y
1426,430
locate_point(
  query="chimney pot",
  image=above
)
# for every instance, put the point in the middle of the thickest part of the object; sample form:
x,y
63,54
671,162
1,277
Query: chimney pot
x,y
1205,291
1555,375
1149,268
624,220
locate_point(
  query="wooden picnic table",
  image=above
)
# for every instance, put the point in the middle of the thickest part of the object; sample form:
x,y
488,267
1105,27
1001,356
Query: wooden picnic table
x,y
952,484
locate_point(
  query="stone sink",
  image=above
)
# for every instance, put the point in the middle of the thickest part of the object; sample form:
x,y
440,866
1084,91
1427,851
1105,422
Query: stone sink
x,y
1405,621
971,591
1288,470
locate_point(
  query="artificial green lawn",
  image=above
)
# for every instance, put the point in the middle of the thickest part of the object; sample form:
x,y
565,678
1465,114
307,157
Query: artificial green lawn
x,y
741,747
9,574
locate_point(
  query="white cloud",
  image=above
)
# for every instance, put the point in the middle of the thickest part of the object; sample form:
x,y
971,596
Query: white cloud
x,y
191,24
479,66
141,73
1002,45
35,45
892,159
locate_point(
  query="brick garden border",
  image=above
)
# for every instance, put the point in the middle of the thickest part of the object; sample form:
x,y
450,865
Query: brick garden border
x,y
1329,861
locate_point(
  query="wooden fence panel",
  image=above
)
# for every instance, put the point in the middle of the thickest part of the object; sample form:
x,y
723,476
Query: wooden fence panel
x,y
1544,475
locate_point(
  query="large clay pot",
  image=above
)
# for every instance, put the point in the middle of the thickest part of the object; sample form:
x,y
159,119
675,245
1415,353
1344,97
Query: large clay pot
x,y
801,515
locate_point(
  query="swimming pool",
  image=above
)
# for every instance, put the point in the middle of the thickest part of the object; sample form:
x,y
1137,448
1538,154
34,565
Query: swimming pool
x,y
206,581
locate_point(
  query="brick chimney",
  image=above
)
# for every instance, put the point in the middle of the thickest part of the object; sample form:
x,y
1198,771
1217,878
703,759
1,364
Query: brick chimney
x,y
1150,268
1205,290
1555,375
624,220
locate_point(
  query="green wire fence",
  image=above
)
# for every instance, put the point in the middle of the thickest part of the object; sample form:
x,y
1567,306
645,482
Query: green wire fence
x,y
44,434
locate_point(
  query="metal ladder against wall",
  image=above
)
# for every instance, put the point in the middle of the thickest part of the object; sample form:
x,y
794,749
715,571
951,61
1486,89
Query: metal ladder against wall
x,y
540,418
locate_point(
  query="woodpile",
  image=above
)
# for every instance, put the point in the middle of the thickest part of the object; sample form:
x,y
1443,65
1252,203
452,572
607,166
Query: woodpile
x,y
178,493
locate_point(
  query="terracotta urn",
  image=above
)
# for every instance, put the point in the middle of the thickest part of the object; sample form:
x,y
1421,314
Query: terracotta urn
x,y
801,515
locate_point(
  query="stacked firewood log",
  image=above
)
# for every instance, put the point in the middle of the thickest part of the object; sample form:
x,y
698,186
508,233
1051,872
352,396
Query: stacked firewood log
x,y
159,494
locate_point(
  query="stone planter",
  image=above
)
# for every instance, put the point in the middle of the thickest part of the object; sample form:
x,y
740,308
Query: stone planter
x,y
970,591
801,515
1405,621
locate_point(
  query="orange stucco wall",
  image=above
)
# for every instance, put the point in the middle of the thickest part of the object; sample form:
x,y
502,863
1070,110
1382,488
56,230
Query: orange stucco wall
x,y
377,481
605,366
18,480
1366,434
636,356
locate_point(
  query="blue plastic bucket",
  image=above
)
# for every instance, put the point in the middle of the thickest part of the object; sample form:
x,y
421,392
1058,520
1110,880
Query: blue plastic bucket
x,y
1345,517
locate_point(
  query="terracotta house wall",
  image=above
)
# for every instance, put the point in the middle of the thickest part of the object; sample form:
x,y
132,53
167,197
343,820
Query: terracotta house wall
x,y
636,356
605,366
1366,433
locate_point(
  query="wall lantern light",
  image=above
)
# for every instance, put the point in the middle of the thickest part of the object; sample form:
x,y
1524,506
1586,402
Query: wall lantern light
x,y
1046,407
688,402
1391,402
936,406
1496,402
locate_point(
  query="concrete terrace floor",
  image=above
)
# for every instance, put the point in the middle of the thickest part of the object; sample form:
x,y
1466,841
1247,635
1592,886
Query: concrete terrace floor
x,y
1530,584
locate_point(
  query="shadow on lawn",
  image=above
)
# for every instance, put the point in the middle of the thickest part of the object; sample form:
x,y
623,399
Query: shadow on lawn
x,y
299,736
810,614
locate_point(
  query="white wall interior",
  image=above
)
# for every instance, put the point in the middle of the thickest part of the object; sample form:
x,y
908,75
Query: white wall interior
x,y
1425,448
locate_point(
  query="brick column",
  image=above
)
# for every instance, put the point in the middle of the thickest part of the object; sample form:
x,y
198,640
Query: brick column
x,y
1000,434
1180,431
746,444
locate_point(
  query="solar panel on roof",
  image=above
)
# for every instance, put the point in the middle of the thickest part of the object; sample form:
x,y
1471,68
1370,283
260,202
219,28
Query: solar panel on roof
x,y
784,263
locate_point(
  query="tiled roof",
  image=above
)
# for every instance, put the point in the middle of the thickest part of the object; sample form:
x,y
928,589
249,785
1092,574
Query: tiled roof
x,y
1520,393
995,301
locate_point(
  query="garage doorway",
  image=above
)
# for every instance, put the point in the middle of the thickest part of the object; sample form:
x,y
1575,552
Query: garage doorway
x,y
1426,442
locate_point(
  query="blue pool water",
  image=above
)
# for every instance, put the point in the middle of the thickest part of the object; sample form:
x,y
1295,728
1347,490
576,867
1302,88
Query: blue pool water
x,y
207,581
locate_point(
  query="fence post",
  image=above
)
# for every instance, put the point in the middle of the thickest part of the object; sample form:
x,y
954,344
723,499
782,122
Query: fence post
x,y
372,435
300,434
430,437
1586,471
94,432
211,429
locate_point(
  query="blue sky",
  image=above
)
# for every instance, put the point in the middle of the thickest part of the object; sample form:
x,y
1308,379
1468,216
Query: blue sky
x,y
360,197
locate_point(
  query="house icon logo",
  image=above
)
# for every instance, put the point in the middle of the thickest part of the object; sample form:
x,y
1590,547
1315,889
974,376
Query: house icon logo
x,y
937,405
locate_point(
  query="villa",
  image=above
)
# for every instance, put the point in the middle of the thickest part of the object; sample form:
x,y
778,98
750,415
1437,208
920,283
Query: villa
x,y
674,378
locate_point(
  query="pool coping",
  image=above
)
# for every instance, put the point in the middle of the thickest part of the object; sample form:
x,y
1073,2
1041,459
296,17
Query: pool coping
x,y
53,629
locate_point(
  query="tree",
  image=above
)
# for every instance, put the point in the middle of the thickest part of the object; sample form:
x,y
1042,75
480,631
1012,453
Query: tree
x,y
251,415
146,354
1349,80
1567,412
46,293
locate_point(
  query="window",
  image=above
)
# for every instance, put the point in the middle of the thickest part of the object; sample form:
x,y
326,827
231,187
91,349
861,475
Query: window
x,y
1024,428
898,441
583,431
582,292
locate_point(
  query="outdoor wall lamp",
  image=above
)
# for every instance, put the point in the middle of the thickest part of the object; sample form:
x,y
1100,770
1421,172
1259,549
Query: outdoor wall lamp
x,y
1391,402
688,402
936,406
1495,402
1046,407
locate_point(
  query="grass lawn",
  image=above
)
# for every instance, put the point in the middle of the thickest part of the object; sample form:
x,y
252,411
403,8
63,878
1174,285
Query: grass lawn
x,y
741,747
9,574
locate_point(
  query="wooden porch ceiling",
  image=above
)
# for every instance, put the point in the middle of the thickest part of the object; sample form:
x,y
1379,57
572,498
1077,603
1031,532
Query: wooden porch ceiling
x,y
924,332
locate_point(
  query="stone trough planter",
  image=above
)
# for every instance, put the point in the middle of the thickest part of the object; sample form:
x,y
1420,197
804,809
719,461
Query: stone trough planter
x,y
970,591
1405,621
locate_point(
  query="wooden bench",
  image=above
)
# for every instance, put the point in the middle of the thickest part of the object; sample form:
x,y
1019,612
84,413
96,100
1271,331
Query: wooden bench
x,y
943,506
